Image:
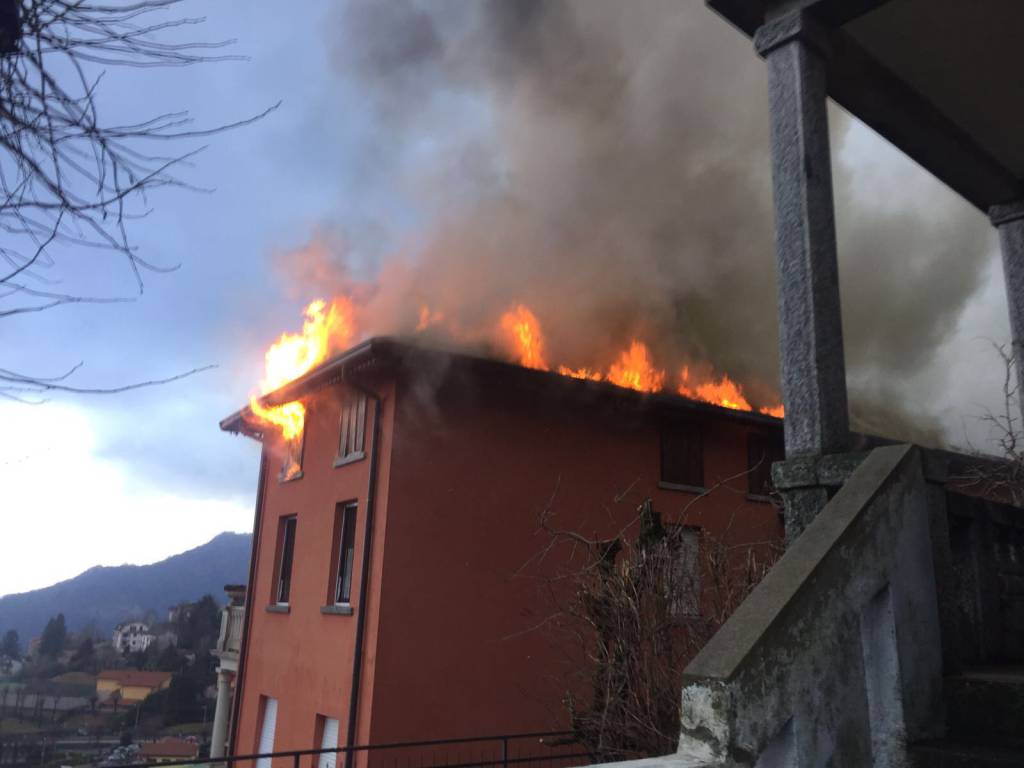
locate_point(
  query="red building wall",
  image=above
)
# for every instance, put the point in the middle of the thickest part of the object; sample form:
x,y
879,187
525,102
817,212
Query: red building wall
x,y
467,463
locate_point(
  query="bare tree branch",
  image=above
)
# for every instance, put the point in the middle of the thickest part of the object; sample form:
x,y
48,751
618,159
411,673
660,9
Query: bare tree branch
x,y
70,183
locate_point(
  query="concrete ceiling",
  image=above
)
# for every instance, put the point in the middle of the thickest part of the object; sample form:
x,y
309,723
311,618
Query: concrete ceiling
x,y
941,79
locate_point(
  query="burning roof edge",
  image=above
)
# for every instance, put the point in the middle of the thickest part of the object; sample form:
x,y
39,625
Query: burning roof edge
x,y
381,350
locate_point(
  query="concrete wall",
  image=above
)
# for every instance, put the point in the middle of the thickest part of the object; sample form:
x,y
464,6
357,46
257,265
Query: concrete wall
x,y
835,658
304,657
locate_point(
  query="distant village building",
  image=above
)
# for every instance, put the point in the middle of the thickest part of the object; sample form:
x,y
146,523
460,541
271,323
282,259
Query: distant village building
x,y
169,750
132,636
131,685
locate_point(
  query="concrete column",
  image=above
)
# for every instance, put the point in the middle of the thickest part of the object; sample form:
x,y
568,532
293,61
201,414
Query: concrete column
x,y
220,717
1009,221
810,324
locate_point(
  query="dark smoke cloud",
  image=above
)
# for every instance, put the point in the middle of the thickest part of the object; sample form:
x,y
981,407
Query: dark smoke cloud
x,y
607,163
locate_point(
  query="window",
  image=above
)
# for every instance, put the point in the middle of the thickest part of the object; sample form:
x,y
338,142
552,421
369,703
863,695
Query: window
x,y
763,450
286,553
682,454
291,468
353,427
345,538
684,570
266,742
328,728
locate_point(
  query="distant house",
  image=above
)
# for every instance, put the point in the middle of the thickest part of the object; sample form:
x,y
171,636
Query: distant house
x,y
131,685
168,750
132,636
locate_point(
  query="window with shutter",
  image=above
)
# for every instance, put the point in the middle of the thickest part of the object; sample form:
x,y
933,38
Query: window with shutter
x,y
682,454
329,740
266,743
684,581
353,428
763,450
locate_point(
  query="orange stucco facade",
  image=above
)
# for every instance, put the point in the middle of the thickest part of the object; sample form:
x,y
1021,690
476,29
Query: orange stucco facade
x,y
469,453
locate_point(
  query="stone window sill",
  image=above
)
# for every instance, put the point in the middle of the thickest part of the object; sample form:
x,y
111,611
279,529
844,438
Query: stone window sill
x,y
279,608
336,610
341,461
698,489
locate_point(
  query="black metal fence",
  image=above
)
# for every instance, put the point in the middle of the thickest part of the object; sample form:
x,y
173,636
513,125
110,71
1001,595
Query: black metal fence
x,y
551,749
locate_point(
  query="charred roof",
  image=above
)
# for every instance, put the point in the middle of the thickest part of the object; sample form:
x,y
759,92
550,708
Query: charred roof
x,y
396,356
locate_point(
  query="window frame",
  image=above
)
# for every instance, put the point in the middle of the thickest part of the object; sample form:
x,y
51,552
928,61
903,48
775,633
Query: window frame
x,y
679,536
351,428
672,428
293,454
771,449
346,520
284,560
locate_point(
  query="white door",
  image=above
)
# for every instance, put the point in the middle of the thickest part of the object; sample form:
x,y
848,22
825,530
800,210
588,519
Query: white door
x,y
329,741
267,732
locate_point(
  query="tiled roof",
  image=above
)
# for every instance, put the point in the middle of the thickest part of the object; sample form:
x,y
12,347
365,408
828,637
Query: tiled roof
x,y
134,677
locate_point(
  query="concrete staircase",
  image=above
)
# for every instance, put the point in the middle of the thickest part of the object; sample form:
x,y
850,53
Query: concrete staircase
x,y
985,720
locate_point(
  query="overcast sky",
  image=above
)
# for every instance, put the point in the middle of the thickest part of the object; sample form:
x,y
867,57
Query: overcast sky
x,y
136,477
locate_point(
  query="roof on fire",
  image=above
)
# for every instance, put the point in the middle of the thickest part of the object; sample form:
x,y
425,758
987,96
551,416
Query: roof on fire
x,y
940,79
387,353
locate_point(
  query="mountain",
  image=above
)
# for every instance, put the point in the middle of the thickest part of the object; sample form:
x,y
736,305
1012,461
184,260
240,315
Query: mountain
x,y
108,595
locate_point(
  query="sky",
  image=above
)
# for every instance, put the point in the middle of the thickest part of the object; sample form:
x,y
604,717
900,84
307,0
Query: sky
x,y
375,152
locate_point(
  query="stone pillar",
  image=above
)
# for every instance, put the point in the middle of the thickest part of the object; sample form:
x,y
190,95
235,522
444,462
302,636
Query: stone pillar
x,y
807,272
1009,221
810,323
219,736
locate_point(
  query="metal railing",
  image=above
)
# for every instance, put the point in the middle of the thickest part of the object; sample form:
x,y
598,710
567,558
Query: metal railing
x,y
552,749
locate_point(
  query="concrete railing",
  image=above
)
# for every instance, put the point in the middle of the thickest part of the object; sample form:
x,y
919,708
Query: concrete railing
x,y
230,640
834,659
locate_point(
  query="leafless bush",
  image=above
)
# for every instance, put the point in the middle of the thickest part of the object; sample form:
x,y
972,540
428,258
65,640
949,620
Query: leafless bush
x,y
1001,479
637,609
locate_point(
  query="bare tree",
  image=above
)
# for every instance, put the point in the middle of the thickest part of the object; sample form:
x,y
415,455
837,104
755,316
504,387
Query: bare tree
x,y
70,183
635,608
1000,477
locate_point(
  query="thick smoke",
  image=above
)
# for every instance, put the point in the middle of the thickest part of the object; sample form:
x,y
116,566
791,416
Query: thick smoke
x,y
607,163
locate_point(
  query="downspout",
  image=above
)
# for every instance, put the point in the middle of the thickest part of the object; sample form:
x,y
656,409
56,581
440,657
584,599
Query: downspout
x,y
364,578
250,589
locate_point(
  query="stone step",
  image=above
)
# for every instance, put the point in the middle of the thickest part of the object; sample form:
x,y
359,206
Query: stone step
x,y
985,705
949,754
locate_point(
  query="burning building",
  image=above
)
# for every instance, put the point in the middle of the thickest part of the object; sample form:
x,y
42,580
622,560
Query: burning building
x,y
395,589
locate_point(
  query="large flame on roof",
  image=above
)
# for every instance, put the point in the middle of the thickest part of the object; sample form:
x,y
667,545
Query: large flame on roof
x,y
327,328
330,327
632,369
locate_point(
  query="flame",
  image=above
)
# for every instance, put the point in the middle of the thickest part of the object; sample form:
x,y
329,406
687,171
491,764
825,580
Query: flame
x,y
724,392
326,328
580,373
521,326
777,411
428,318
634,370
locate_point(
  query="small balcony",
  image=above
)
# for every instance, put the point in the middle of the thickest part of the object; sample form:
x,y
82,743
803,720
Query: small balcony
x,y
229,643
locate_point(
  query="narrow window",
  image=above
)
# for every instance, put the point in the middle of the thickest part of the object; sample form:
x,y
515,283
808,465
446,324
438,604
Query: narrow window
x,y
291,468
346,537
286,543
328,728
266,742
682,454
763,450
353,427
683,585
